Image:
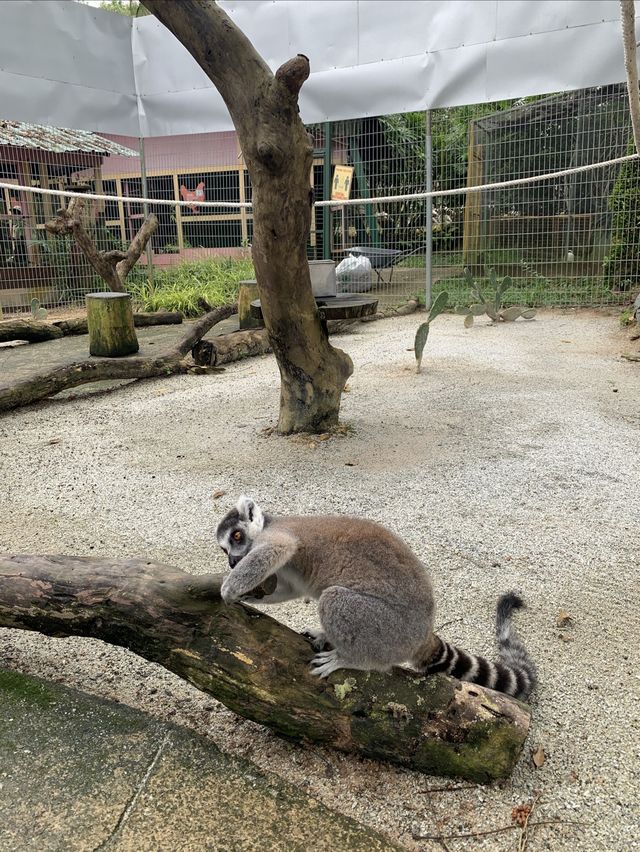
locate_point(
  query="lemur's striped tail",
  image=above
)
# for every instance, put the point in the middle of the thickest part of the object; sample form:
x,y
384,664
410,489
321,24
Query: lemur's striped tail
x,y
514,673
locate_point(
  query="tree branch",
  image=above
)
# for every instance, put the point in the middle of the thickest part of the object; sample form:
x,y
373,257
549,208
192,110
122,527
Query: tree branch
x,y
43,385
628,18
112,266
260,668
293,74
136,247
222,50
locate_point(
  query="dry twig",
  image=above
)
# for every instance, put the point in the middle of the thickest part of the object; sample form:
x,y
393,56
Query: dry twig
x,y
489,831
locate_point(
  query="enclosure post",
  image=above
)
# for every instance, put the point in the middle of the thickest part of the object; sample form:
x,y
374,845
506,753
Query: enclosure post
x,y
428,175
145,205
326,192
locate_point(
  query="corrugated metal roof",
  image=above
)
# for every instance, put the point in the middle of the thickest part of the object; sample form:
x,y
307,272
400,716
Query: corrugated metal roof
x,y
58,140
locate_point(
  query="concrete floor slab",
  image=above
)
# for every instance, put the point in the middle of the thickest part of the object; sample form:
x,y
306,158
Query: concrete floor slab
x,y
79,773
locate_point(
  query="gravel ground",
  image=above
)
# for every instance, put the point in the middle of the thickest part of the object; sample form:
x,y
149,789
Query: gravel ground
x,y
513,461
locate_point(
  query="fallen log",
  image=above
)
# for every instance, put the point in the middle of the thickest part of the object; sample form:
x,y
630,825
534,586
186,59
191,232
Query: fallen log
x,y
78,325
215,351
21,328
43,385
36,331
409,307
260,669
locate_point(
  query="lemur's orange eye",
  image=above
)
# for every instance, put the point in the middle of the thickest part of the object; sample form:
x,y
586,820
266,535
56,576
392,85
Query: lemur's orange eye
x,y
237,536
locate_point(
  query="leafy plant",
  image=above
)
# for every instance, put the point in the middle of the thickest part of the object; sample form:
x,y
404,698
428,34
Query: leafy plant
x,y
37,312
190,285
438,306
492,307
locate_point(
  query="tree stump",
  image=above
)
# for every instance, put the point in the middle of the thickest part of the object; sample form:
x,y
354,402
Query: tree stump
x,y
110,320
247,293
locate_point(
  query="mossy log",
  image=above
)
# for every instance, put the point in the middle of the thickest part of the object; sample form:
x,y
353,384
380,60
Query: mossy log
x,y
21,328
260,669
225,348
43,385
110,322
38,331
79,325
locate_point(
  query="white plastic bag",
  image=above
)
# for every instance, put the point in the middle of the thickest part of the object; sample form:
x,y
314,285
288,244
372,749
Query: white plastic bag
x,y
353,274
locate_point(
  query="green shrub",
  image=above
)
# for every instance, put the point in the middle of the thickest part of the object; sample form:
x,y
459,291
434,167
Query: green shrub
x,y
185,286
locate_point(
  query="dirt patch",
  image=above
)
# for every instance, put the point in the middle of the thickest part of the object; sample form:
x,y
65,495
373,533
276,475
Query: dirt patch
x,y
511,462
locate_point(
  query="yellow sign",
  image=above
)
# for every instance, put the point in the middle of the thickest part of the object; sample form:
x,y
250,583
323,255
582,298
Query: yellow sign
x,y
341,185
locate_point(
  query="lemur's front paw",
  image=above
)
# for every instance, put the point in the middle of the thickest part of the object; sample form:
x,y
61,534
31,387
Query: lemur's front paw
x,y
318,638
228,592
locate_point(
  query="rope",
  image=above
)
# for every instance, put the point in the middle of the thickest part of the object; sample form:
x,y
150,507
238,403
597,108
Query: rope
x,y
377,200
124,198
481,187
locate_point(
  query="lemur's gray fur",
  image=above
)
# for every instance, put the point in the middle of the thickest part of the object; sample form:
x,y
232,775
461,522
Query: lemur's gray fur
x,y
374,596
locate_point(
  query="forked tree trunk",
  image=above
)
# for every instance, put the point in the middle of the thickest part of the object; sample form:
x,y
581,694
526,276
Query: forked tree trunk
x,y
279,155
112,266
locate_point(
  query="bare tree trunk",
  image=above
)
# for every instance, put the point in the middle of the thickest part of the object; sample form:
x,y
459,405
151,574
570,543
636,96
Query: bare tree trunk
x,y
260,669
112,266
278,154
627,16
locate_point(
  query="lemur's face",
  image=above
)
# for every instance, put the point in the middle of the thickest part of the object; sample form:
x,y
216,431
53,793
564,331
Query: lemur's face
x,y
232,535
238,529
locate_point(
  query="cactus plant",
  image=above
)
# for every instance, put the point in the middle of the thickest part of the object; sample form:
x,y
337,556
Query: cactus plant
x,y
491,307
37,312
439,304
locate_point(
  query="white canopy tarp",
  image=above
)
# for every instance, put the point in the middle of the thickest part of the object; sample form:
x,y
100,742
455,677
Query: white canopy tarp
x,y
71,65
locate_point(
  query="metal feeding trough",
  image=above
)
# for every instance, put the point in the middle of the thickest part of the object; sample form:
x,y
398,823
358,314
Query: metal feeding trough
x,y
331,304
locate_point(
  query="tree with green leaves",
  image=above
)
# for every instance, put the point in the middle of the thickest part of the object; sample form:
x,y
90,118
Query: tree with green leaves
x,y
131,8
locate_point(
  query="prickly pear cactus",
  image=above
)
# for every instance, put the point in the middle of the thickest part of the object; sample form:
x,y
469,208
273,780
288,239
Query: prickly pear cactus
x,y
422,334
37,312
491,307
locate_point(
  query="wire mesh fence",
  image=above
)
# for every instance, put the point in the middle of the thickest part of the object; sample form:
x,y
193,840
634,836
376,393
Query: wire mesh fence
x,y
564,241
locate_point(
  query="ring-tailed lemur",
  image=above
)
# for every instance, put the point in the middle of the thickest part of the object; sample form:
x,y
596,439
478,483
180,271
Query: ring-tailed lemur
x,y
375,599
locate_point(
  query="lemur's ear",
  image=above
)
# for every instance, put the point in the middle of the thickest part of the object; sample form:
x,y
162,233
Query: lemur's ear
x,y
249,510
245,507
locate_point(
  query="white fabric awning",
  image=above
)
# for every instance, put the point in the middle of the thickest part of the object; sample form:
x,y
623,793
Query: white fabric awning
x,y
71,65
